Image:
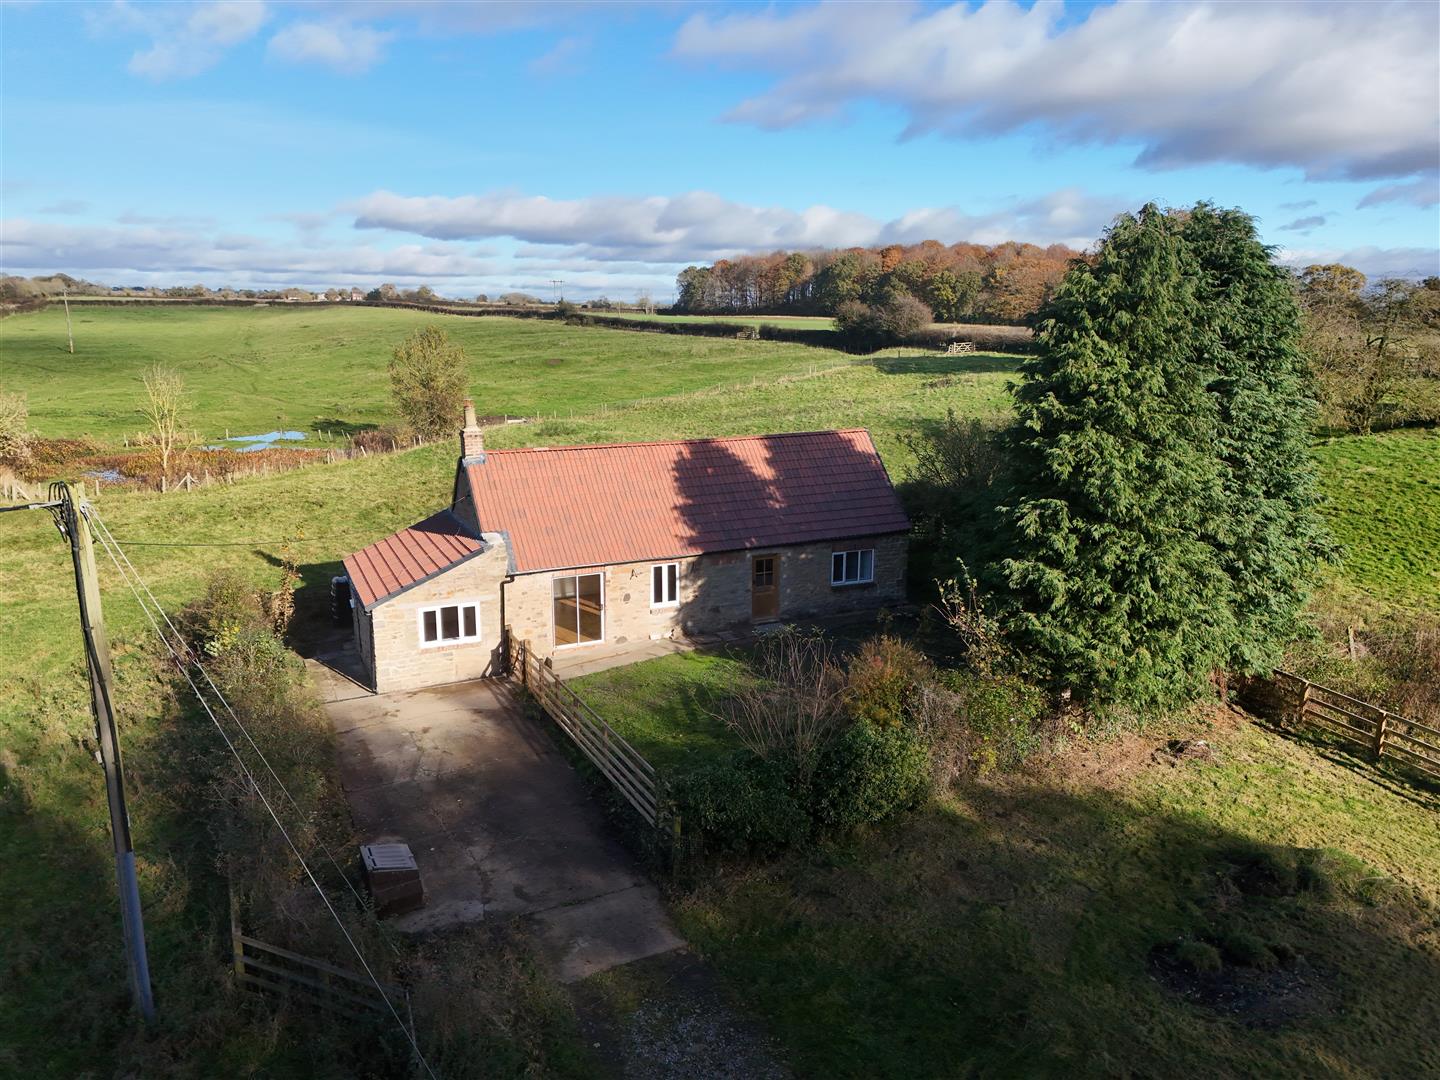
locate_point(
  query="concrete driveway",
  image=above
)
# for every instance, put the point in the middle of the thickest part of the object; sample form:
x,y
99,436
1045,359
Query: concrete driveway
x,y
499,822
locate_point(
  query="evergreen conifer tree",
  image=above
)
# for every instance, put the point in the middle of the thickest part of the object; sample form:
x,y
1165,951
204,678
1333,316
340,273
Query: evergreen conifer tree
x,y
1162,520
1113,582
1270,538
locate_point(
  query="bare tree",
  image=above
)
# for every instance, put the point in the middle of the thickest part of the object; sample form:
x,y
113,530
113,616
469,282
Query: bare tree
x,y
795,707
165,401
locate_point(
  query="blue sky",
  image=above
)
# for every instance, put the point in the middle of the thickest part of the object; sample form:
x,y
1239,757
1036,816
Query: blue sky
x,y
482,148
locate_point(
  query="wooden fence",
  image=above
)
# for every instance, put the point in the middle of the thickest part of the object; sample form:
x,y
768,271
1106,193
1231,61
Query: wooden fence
x,y
1384,733
259,965
607,750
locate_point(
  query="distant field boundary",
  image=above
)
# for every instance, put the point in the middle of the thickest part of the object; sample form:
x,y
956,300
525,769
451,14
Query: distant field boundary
x,y
1010,339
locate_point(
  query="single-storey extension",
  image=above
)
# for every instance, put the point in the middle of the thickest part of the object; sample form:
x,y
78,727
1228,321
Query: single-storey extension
x,y
574,546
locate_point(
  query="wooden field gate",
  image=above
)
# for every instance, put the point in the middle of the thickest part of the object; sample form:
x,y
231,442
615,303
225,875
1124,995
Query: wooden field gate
x,y
619,762
258,965
1384,733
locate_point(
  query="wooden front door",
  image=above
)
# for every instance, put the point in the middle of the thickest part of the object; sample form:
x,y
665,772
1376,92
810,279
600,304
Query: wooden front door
x,y
765,586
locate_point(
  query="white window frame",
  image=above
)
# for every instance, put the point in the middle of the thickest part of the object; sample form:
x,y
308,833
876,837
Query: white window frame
x,y
670,571
444,642
860,578
604,608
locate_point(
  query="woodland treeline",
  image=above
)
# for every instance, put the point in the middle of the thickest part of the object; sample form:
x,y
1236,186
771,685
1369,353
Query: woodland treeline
x,y
963,282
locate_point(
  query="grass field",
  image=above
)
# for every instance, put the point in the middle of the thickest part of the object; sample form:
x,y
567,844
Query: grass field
x,y
253,370
1384,511
61,1000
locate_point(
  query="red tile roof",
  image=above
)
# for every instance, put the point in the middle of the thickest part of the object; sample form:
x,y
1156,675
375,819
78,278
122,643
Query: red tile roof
x,y
597,505
409,556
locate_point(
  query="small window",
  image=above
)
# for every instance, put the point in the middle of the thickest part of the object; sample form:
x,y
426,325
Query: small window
x,y
451,624
852,567
665,585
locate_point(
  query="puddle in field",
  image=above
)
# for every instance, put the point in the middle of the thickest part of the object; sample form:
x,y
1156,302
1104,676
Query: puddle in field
x,y
259,442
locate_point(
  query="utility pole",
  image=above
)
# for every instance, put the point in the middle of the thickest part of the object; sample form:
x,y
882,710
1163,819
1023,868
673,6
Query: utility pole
x,y
76,528
69,333
555,284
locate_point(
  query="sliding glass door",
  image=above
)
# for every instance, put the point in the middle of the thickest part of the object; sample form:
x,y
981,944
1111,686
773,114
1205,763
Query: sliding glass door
x,y
579,609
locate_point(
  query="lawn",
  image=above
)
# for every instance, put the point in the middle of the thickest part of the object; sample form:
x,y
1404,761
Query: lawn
x,y
665,708
257,369
1383,506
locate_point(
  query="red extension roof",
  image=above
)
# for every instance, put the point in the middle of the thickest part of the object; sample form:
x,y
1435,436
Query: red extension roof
x,y
409,556
577,506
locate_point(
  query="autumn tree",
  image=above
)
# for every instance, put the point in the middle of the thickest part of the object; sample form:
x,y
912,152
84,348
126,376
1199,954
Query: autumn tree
x,y
428,375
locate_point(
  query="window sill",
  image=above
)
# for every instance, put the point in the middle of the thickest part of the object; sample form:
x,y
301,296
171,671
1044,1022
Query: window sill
x,y
852,584
451,644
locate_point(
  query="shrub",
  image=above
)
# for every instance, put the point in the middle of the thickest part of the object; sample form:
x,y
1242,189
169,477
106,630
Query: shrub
x,y
993,722
265,685
860,326
868,774
744,804
884,678
903,316
229,608
378,440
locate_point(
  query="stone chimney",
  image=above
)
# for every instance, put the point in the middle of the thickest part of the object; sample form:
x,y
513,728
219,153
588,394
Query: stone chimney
x,y
472,439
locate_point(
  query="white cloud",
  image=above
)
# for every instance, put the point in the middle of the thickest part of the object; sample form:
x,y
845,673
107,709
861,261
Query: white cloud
x,y
187,41
699,225
344,47
177,253
1338,90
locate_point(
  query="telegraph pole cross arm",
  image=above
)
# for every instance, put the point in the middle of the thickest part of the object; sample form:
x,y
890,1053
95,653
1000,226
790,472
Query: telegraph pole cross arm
x,y
75,527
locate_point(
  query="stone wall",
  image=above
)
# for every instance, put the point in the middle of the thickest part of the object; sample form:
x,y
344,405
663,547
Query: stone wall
x,y
714,593
403,662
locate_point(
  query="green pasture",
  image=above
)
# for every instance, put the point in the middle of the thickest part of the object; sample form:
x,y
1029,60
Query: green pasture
x,y
257,369
1383,506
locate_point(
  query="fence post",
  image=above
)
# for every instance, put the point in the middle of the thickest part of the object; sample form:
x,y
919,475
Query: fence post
x,y
237,947
1380,734
1304,702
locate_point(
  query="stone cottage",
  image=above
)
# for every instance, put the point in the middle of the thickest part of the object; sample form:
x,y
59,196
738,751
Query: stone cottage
x,y
579,546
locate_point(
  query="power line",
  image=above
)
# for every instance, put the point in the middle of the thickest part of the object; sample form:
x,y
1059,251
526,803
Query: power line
x,y
104,532
230,745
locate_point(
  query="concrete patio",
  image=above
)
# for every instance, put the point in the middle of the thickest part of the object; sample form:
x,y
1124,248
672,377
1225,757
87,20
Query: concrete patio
x,y
499,822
